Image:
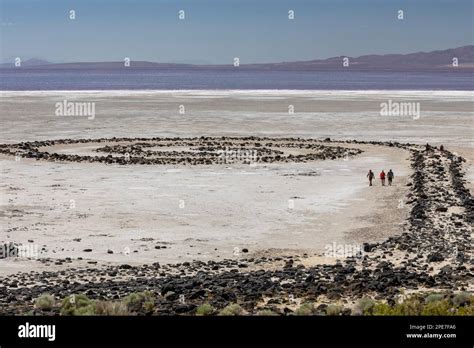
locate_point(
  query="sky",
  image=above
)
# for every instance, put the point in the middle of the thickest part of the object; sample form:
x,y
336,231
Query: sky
x,y
216,31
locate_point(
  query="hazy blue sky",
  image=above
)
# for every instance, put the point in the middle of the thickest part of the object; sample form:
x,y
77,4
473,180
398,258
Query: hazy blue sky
x,y
215,31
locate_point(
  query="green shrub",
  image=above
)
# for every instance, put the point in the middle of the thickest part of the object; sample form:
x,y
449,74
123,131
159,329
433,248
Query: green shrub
x,y
433,304
382,309
462,298
232,310
466,310
77,305
305,309
267,313
410,306
138,301
334,309
433,298
149,306
364,306
205,309
110,308
45,302
441,307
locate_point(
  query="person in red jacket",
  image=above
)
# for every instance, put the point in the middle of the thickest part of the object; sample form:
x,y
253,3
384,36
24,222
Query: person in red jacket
x,y
382,177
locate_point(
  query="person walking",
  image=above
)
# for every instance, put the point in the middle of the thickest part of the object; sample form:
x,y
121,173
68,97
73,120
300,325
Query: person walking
x,y
382,177
371,176
390,177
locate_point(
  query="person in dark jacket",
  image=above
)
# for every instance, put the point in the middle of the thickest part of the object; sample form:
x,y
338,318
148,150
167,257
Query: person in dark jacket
x,y
371,176
390,177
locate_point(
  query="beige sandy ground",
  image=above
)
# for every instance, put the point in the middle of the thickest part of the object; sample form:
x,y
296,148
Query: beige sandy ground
x,y
211,212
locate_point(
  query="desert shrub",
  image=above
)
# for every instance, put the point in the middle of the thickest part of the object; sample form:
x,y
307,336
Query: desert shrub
x,y
411,306
305,309
77,305
334,309
433,298
45,302
463,298
232,310
382,309
440,307
148,306
138,301
364,306
267,313
110,308
433,304
466,310
205,309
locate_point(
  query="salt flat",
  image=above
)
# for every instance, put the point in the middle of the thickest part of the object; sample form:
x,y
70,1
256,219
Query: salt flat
x,y
213,212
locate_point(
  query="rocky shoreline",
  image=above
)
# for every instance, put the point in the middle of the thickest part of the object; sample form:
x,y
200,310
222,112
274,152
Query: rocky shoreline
x,y
432,254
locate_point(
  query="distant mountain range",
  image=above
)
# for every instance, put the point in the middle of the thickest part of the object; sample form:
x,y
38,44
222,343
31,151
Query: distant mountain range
x,y
27,63
441,60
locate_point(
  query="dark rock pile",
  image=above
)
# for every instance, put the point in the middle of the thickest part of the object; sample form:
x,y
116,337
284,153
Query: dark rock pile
x,y
203,150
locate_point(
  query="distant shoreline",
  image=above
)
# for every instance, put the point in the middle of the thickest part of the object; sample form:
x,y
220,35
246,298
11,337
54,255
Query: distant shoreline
x,y
459,92
158,79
